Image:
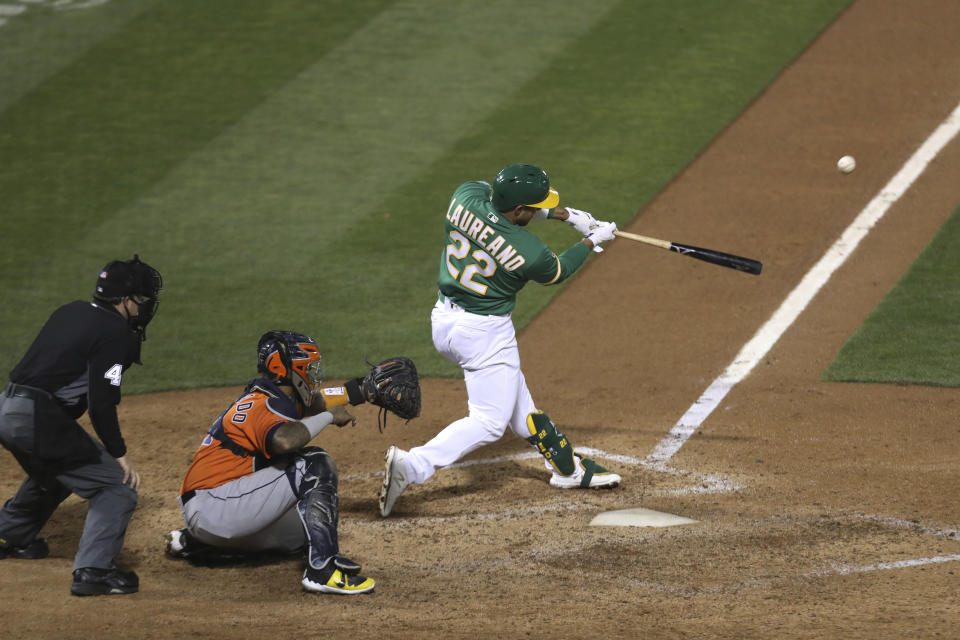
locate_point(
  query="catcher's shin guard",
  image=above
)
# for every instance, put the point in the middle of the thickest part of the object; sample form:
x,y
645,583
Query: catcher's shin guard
x,y
551,444
319,506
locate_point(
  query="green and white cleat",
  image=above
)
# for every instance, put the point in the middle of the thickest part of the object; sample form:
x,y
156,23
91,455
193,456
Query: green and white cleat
x,y
589,475
394,480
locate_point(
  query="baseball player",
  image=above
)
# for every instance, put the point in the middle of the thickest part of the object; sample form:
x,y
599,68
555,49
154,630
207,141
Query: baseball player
x,y
76,364
488,256
254,484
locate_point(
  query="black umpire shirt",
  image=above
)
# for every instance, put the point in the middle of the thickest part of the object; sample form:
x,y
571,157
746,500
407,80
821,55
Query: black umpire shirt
x,y
79,357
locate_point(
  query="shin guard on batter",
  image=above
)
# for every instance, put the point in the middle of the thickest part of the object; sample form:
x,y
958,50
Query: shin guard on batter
x,y
551,444
319,506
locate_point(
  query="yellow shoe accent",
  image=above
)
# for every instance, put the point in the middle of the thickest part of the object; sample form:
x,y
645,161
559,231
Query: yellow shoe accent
x,y
338,582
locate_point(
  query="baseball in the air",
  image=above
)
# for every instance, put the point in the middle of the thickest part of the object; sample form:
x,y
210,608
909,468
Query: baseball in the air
x,y
846,164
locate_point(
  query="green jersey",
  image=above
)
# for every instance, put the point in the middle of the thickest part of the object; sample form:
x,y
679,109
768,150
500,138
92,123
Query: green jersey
x,y
487,259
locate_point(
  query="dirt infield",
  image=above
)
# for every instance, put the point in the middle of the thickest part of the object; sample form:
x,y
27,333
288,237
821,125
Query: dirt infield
x,y
824,510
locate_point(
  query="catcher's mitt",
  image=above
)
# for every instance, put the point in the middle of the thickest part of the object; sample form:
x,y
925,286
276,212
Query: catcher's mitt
x,y
393,385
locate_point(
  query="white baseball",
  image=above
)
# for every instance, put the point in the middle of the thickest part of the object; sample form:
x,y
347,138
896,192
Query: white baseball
x,y
846,164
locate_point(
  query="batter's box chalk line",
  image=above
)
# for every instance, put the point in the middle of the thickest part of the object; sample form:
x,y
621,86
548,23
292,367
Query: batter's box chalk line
x,y
421,521
767,584
848,568
701,483
909,524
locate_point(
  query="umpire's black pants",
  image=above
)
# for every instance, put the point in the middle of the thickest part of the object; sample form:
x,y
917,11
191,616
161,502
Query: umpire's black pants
x,y
111,503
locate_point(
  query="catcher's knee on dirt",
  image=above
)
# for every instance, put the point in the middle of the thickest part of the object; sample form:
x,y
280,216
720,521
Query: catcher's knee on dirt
x,y
318,505
551,444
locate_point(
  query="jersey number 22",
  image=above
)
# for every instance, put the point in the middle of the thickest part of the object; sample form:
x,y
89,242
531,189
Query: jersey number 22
x,y
484,265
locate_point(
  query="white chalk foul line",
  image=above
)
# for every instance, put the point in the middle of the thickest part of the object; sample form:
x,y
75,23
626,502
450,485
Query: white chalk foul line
x,y
800,297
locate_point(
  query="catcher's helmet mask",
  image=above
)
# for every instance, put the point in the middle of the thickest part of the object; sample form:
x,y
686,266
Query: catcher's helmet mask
x,y
291,358
120,279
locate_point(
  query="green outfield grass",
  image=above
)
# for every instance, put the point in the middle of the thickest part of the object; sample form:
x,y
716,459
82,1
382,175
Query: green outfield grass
x,y
911,337
286,164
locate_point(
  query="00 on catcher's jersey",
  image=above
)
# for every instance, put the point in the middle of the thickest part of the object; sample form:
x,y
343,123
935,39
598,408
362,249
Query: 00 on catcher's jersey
x,y
487,259
237,443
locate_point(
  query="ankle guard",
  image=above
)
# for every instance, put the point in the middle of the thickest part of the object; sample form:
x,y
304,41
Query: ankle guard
x,y
551,444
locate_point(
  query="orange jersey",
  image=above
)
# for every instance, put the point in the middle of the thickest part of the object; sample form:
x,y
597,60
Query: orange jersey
x,y
237,443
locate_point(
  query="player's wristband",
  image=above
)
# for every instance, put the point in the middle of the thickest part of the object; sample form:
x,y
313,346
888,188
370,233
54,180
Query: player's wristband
x,y
543,214
315,424
354,392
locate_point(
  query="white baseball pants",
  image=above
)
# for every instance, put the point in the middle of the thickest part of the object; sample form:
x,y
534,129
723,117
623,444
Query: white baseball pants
x,y
485,347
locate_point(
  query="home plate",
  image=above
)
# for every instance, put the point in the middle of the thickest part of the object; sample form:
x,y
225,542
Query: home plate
x,y
638,518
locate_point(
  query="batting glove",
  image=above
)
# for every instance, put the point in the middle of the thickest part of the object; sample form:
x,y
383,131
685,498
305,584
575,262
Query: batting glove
x,y
603,232
581,221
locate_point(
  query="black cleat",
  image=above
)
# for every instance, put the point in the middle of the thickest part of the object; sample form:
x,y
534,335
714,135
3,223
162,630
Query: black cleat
x,y
180,544
90,581
346,565
32,551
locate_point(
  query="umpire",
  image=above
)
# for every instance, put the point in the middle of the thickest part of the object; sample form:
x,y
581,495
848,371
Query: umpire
x,y
76,364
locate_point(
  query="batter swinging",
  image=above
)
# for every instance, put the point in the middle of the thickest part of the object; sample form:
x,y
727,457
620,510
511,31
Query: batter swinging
x,y
488,256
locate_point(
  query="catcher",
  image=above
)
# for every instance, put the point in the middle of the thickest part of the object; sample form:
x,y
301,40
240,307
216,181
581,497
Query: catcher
x,y
255,486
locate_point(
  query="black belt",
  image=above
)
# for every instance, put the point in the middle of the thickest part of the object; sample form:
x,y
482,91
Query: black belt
x,y
444,298
22,391
187,496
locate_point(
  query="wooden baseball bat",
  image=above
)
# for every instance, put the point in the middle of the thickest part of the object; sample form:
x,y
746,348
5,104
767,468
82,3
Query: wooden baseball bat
x,y
747,265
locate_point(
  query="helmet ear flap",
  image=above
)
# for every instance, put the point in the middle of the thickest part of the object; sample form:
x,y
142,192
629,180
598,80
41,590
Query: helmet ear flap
x,y
282,354
272,356
275,363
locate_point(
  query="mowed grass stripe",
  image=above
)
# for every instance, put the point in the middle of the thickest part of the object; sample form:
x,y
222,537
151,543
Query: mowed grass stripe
x,y
309,170
143,100
42,40
261,202
327,148
89,140
249,235
615,116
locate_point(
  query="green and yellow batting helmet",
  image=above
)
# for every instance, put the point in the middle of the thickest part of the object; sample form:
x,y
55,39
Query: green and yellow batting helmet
x,y
523,184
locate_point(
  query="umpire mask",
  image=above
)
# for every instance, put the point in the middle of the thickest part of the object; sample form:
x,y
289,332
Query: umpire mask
x,y
128,278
